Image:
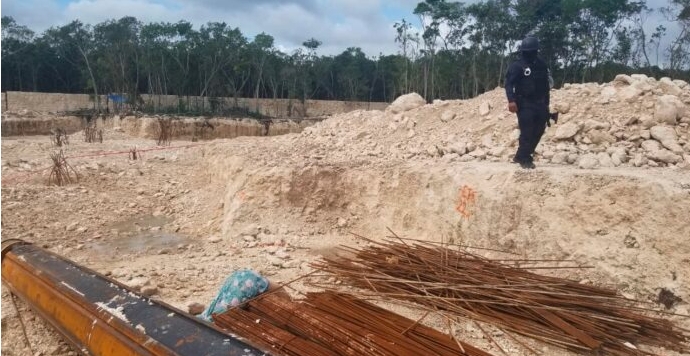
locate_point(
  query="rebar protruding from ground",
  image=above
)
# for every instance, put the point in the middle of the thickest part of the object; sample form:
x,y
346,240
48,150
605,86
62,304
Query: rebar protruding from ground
x,y
58,137
61,173
92,134
165,132
134,154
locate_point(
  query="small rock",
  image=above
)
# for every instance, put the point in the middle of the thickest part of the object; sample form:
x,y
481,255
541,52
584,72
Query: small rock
x,y
667,137
588,161
72,226
595,125
567,131
599,137
480,154
82,230
138,283
669,87
669,109
342,223
560,158
251,230
432,151
214,239
631,242
448,116
471,146
647,121
248,238
650,145
497,151
604,159
619,157
630,94
665,156
459,148
562,107
196,308
639,160
623,79
631,120
149,291
572,158
275,261
484,108
282,254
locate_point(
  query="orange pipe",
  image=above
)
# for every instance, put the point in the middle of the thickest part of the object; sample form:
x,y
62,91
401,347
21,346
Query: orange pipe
x,y
100,316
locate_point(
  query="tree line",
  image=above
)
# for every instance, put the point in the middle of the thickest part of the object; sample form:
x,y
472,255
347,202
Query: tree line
x,y
455,51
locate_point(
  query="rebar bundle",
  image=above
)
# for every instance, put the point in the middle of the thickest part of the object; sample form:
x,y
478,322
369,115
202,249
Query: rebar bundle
x,y
506,294
165,132
336,324
92,134
59,137
61,173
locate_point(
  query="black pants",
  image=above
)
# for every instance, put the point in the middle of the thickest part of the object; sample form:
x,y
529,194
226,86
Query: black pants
x,y
532,119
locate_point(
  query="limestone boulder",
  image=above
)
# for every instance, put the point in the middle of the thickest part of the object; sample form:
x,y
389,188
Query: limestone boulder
x,y
567,131
669,109
405,103
667,137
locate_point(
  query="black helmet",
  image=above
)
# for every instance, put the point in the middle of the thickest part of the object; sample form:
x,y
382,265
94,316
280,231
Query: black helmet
x,y
530,43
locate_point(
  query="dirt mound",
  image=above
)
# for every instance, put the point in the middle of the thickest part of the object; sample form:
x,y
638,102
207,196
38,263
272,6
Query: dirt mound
x,y
605,125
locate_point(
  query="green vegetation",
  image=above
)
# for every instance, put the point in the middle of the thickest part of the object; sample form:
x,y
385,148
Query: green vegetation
x,y
460,52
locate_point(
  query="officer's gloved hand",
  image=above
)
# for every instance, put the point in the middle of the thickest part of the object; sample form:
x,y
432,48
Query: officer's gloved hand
x,y
554,117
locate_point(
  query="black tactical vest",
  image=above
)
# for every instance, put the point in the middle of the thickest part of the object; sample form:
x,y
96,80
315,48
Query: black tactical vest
x,y
534,81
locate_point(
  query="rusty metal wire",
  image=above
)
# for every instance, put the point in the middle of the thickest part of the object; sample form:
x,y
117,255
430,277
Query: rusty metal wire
x,y
61,172
506,294
329,323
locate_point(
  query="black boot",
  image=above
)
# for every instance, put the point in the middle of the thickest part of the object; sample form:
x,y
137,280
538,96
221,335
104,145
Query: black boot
x,y
527,165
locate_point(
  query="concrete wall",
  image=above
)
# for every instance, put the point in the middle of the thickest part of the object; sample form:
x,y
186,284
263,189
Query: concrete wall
x,y
279,108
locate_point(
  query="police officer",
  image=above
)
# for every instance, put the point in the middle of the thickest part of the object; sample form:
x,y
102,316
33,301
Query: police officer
x,y
527,88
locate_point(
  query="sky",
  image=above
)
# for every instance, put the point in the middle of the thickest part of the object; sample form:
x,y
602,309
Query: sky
x,y
338,24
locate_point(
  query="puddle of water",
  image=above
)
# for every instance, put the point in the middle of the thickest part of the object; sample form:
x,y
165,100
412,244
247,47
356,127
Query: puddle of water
x,y
135,235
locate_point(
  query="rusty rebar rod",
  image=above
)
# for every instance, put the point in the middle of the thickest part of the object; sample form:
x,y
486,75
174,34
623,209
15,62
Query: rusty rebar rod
x,y
554,310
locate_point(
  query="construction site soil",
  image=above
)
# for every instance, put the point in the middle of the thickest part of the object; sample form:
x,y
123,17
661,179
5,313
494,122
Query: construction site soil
x,y
611,191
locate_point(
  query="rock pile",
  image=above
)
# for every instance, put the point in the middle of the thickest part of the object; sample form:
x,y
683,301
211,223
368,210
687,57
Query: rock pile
x,y
632,121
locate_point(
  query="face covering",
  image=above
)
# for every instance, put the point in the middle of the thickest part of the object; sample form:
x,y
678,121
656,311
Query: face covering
x,y
530,56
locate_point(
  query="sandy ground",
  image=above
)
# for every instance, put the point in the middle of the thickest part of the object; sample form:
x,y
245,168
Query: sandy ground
x,y
183,219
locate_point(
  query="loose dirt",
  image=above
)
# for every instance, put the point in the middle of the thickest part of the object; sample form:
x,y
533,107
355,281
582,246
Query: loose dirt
x,y
181,220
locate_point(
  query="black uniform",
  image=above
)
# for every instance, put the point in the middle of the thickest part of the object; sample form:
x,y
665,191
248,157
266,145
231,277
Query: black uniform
x,y
527,84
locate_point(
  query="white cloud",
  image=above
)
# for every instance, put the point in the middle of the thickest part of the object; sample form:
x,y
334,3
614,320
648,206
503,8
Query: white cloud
x,y
96,11
337,23
38,15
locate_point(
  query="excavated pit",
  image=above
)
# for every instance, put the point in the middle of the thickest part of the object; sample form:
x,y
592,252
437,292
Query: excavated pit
x,y
554,213
147,127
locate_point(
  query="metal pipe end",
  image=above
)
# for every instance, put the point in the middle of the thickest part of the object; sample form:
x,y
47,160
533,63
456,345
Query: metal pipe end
x,y
8,244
